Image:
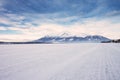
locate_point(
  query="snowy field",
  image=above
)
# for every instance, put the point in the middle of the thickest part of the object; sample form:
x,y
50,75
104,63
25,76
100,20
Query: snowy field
x,y
60,62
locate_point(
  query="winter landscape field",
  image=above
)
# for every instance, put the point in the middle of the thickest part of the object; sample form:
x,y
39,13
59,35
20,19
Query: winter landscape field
x,y
85,61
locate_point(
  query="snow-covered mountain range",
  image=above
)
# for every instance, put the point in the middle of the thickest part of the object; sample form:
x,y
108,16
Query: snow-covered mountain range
x,y
68,38
65,38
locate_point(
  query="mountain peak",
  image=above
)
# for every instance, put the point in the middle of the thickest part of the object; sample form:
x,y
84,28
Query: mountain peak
x,y
65,35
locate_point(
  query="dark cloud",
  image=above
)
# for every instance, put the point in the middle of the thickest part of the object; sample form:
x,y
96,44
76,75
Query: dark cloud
x,y
86,8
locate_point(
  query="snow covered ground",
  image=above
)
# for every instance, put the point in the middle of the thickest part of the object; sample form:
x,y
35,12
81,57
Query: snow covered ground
x,y
60,62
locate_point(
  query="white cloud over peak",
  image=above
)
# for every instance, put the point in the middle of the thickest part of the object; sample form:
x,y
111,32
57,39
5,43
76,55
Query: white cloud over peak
x,y
90,26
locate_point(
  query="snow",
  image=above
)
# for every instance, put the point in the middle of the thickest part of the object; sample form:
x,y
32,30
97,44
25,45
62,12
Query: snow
x,y
83,61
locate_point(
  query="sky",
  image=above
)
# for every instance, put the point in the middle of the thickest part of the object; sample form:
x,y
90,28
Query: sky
x,y
26,20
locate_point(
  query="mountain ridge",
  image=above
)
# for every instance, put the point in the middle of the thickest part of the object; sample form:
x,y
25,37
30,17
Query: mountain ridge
x,y
64,38
72,39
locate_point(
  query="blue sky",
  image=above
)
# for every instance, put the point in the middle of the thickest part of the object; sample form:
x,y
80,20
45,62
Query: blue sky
x,y
22,20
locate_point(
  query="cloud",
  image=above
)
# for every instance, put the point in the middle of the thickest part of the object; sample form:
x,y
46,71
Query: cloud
x,y
2,28
37,18
113,13
71,7
90,26
2,9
